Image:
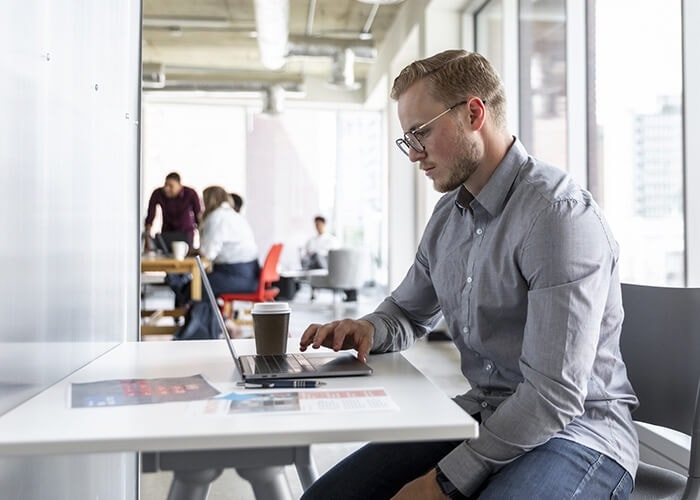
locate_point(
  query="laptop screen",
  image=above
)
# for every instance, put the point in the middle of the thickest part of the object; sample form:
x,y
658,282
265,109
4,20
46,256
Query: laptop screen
x,y
164,241
215,309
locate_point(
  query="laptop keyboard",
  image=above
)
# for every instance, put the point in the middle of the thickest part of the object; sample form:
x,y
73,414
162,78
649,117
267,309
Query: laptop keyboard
x,y
282,363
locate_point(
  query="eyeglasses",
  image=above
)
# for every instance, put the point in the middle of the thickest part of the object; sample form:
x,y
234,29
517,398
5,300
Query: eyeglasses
x,y
410,139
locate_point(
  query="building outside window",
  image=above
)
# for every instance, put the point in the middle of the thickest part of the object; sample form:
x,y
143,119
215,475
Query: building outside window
x,y
637,137
633,67
543,90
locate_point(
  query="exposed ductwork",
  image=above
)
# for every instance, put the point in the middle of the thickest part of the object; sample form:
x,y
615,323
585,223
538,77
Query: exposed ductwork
x,y
271,19
223,86
343,57
274,100
273,94
153,76
276,47
343,70
272,23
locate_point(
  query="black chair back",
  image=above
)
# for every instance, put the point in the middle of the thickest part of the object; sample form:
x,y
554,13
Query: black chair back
x,y
660,345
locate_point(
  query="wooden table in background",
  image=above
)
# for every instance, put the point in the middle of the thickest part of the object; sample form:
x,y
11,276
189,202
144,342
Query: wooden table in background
x,y
161,263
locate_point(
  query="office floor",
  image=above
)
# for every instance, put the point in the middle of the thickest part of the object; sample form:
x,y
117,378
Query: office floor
x,y
439,361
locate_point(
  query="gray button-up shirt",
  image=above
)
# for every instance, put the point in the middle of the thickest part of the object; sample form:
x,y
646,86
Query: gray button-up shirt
x,y
526,277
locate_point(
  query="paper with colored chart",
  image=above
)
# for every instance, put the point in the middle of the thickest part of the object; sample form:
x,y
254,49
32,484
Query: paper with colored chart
x,y
121,392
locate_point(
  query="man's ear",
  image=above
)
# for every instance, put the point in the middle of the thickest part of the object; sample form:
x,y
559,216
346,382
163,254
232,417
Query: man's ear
x,y
477,113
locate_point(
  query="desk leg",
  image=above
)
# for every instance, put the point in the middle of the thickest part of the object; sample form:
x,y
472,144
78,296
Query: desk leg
x,y
263,468
306,468
192,484
269,483
196,284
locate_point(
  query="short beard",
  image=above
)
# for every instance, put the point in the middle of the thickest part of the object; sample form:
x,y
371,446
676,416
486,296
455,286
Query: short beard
x,y
467,161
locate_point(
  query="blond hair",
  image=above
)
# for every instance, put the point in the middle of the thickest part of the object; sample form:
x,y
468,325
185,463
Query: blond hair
x,y
213,197
455,75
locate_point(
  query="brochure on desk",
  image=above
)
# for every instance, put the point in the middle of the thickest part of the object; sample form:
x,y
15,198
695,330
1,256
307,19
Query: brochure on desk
x,y
197,390
305,401
121,392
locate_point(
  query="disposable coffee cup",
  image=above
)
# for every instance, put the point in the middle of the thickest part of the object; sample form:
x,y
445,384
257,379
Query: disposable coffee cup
x,y
180,249
271,327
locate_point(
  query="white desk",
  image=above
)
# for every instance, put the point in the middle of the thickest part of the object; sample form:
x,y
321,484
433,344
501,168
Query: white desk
x,y
303,273
46,425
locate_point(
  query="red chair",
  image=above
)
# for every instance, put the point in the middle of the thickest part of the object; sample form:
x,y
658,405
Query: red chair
x,y
265,292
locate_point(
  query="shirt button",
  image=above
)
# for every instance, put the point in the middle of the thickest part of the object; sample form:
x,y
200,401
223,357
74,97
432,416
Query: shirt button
x,y
469,279
484,404
465,330
479,231
488,367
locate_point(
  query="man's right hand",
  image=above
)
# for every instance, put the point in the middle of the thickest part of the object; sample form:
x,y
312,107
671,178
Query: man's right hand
x,y
147,243
341,334
147,239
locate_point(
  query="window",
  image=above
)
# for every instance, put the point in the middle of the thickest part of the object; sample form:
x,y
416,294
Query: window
x,y
543,91
489,34
637,141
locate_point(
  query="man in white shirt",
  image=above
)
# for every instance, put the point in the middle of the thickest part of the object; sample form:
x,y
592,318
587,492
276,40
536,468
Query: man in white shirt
x,y
316,256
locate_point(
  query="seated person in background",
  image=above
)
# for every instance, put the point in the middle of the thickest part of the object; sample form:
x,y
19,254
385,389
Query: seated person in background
x,y
180,207
226,239
316,250
316,253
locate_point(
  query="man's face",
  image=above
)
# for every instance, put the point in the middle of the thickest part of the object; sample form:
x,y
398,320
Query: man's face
x,y
320,226
452,152
171,188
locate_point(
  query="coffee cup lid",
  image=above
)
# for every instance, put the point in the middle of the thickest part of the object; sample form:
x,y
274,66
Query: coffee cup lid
x,y
271,308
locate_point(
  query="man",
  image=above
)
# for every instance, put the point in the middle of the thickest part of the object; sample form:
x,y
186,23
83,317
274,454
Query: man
x,y
317,247
523,266
180,207
316,257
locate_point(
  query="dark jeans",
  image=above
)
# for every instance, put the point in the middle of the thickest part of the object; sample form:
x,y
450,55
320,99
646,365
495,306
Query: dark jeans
x,y
557,470
224,278
241,277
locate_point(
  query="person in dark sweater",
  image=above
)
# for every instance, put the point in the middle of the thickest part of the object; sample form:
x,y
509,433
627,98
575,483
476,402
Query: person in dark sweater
x,y
180,206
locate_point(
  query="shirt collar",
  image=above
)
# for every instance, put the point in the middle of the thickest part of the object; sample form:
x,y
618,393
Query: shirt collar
x,y
493,195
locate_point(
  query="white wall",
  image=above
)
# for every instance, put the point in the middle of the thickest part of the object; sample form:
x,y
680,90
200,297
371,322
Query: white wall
x,y
421,29
69,96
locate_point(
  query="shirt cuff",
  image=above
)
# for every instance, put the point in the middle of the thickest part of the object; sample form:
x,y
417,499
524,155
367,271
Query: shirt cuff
x,y
465,469
380,333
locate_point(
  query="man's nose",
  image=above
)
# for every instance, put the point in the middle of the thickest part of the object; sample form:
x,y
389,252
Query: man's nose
x,y
414,155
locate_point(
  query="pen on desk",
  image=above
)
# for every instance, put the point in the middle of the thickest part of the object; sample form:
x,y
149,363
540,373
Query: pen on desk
x,y
285,384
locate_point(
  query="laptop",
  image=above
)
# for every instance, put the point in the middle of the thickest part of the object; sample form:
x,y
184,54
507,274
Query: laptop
x,y
259,367
164,241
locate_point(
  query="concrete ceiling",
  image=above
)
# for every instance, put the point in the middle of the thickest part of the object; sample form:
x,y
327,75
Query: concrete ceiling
x,y
213,44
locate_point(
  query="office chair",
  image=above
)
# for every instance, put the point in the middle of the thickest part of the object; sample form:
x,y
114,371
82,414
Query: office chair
x,y
660,345
268,275
345,271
